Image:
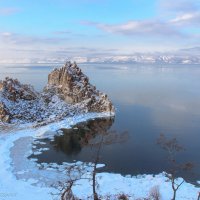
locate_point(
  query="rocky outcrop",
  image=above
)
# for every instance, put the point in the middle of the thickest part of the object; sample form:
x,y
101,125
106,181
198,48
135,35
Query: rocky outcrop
x,y
13,90
18,102
4,113
71,85
68,93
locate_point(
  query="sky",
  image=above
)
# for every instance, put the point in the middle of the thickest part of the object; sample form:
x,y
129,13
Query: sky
x,y
64,28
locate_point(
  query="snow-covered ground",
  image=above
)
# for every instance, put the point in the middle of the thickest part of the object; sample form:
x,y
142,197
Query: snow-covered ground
x,y
22,178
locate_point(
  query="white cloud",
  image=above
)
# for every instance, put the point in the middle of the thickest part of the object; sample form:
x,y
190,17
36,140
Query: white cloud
x,y
187,19
17,48
139,28
6,34
179,6
19,39
173,19
8,11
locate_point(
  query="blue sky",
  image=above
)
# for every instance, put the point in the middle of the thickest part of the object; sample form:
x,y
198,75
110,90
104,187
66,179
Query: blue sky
x,y
92,27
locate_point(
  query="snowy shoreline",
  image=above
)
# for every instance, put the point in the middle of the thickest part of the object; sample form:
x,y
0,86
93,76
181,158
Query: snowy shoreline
x,y
22,178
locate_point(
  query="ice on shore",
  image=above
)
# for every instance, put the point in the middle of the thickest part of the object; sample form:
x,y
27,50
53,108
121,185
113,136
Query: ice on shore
x,y
23,178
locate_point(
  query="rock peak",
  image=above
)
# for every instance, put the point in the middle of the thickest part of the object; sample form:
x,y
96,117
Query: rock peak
x,y
67,93
73,86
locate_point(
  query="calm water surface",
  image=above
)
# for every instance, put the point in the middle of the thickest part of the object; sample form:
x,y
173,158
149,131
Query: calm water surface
x,y
149,100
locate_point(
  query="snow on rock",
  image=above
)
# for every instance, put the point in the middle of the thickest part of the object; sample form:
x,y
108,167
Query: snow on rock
x,y
13,90
68,93
71,85
4,114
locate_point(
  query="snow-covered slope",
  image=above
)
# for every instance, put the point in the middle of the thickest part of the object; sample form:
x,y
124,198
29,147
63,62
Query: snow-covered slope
x,y
68,93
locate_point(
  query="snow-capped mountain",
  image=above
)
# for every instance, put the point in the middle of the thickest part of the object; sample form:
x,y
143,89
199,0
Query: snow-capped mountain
x,y
151,59
182,56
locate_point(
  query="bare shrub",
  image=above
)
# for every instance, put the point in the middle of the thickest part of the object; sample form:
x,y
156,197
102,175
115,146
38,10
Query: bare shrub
x,y
172,147
74,173
96,138
122,197
105,138
154,193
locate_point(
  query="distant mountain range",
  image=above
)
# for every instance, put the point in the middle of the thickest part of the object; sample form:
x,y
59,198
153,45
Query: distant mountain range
x,y
148,59
183,56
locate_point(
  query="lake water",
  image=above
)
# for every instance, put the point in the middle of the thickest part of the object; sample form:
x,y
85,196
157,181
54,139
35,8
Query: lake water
x,y
149,100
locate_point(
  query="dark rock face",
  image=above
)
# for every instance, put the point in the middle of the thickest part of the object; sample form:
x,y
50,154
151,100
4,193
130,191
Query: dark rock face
x,y
71,85
13,90
4,114
68,93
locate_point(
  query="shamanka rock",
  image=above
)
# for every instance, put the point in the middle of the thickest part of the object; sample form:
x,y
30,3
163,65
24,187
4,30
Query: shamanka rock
x,y
71,85
67,93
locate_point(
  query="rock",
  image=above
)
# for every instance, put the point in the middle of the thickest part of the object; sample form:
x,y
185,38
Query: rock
x,y
70,84
13,90
68,93
4,113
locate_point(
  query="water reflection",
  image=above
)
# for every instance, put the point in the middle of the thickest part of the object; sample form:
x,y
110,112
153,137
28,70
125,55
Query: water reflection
x,y
73,140
75,143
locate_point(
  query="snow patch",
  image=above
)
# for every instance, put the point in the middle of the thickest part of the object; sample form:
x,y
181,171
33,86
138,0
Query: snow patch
x,y
23,178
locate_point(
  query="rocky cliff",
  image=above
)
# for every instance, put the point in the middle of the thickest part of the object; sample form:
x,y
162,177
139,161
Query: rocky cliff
x,y
17,100
67,93
71,85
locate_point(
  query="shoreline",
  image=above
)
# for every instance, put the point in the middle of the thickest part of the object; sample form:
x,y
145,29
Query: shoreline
x,y
26,187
